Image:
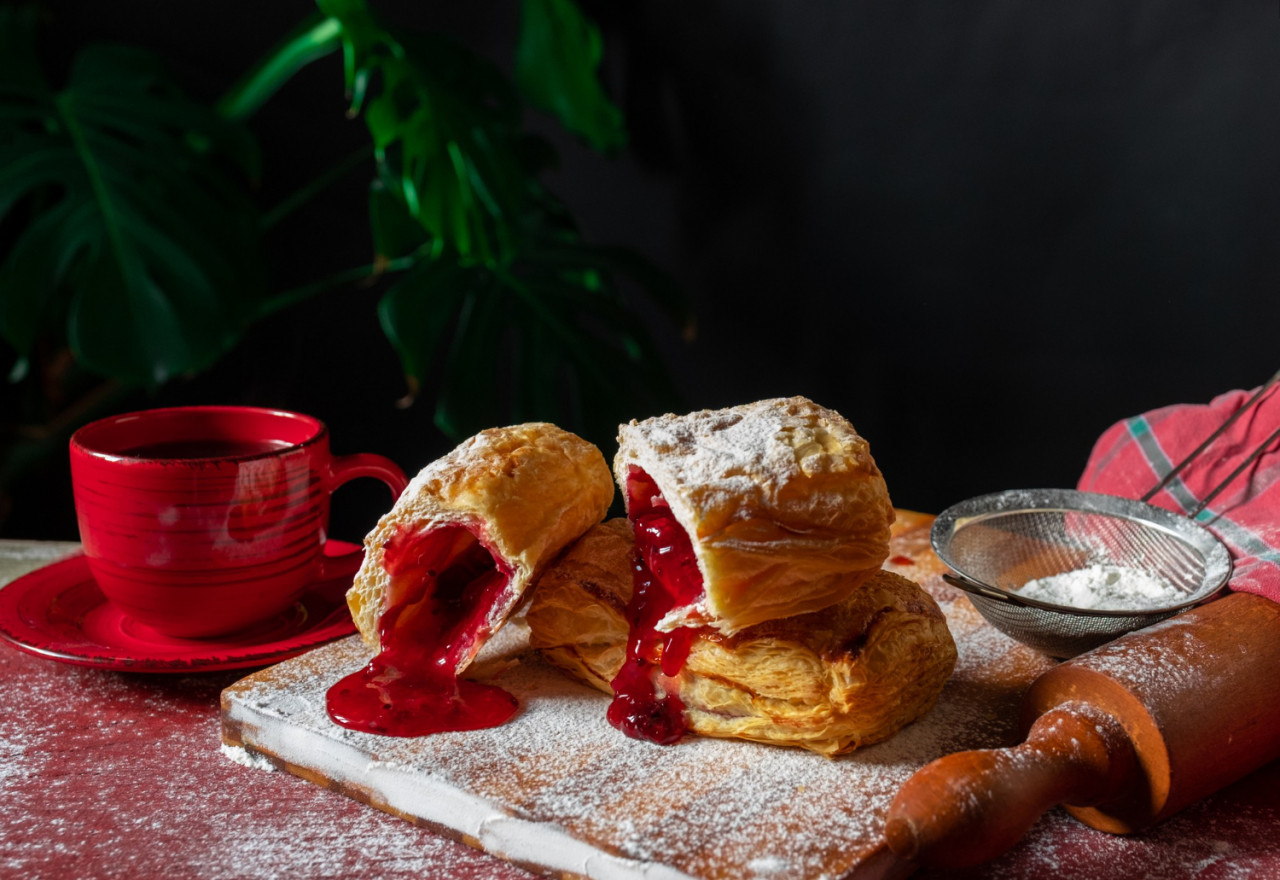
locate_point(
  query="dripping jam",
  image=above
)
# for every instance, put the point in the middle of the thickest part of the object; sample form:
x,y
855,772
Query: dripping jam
x,y
443,585
665,576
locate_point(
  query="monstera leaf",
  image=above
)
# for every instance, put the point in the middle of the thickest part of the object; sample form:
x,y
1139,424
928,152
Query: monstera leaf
x,y
134,241
557,61
446,131
550,338
507,313
125,227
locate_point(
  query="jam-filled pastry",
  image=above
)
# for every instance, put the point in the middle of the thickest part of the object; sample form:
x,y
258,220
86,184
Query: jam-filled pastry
x,y
741,515
450,562
829,681
779,503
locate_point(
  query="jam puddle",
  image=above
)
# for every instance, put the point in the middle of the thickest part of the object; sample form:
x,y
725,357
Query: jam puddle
x,y
443,585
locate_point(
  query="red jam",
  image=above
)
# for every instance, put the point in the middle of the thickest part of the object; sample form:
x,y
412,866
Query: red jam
x,y
443,585
665,576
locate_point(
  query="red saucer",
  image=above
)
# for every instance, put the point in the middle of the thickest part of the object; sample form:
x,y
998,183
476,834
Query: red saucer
x,y
58,612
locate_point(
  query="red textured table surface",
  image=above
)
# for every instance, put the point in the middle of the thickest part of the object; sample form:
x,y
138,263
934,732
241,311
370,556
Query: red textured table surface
x,y
109,774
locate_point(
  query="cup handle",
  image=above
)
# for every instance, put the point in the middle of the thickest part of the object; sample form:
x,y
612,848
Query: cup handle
x,y
343,469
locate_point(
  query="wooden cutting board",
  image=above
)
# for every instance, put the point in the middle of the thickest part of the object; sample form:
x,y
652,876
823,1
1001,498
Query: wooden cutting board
x,y
560,791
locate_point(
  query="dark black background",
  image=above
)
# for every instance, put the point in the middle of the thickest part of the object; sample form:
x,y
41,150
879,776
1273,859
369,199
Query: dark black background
x,y
983,231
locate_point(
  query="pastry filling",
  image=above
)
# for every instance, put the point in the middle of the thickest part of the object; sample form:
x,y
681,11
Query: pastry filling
x,y
444,584
665,576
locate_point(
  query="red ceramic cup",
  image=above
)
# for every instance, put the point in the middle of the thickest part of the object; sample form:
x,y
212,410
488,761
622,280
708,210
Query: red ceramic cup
x,y
201,521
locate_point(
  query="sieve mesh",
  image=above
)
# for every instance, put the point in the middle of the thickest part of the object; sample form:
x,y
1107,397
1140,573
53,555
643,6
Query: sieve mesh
x,y
997,543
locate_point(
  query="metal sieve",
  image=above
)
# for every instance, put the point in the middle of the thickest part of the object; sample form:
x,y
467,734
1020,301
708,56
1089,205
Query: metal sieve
x,y
997,543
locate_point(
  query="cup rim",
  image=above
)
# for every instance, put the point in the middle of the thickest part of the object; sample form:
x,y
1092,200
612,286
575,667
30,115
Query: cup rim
x,y
81,439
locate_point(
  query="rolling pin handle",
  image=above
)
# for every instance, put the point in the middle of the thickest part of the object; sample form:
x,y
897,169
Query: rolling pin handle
x,y
968,807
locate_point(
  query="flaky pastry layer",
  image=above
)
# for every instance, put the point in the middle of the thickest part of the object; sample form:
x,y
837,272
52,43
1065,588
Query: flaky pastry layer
x,y
828,681
525,491
784,505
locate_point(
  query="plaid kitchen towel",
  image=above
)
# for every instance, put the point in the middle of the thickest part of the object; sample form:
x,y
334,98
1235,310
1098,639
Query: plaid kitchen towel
x,y
1136,453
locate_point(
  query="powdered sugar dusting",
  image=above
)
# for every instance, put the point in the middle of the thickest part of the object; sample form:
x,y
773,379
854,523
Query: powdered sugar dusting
x,y
756,457
558,775
1104,586
246,758
112,775
560,788
1197,843
1171,658
108,774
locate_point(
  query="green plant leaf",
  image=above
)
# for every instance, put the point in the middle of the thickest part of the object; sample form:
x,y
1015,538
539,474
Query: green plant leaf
x,y
23,316
536,342
419,309
445,126
311,40
610,260
541,370
557,68
394,230
133,223
507,313
469,398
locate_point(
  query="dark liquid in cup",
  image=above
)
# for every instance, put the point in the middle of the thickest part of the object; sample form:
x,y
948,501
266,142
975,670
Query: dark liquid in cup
x,y
204,448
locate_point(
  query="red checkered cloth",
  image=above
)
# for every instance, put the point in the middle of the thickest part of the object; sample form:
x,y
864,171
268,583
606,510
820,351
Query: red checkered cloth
x,y
1135,454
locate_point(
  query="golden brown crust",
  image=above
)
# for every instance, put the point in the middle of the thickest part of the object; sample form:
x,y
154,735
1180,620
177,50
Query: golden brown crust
x,y
526,491
577,615
782,500
828,681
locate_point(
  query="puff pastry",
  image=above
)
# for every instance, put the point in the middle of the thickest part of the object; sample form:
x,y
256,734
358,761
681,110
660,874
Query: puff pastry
x,y
451,561
784,507
522,493
828,681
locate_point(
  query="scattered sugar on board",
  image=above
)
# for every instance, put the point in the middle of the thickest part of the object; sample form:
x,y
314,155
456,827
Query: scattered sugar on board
x,y
703,804
700,805
246,758
559,765
1104,586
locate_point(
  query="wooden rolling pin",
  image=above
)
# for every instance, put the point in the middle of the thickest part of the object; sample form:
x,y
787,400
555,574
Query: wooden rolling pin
x,y
1123,736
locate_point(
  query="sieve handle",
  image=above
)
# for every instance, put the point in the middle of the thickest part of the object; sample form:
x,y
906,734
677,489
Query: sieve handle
x,y
971,586
968,807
